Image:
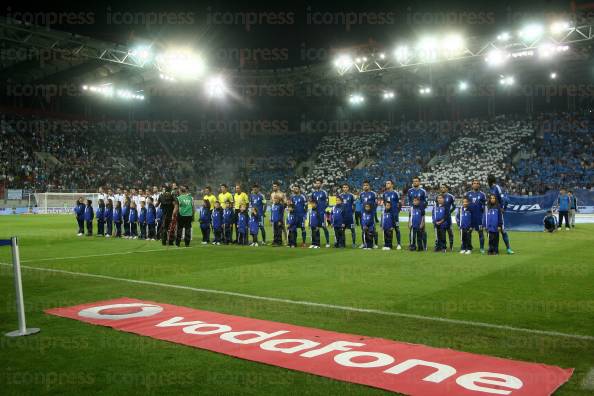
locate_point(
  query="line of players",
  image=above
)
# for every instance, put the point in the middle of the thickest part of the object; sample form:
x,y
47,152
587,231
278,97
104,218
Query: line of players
x,y
227,214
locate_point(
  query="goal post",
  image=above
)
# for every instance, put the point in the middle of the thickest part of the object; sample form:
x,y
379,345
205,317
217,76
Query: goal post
x,y
61,202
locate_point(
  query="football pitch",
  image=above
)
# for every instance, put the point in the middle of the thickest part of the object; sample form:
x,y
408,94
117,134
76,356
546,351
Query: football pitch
x,y
535,306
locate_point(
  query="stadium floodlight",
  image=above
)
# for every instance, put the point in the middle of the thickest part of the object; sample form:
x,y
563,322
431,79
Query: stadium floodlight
x,y
382,55
507,80
496,57
559,27
142,52
462,86
553,76
427,48
388,95
181,63
402,54
85,87
343,61
504,36
452,45
357,60
356,99
216,87
425,90
531,32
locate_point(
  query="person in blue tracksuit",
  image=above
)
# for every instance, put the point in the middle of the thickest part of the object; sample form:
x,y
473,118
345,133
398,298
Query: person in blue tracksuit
x,y
151,219
126,217
142,221
292,223
495,189
464,221
314,220
89,216
133,220
493,223
416,191
337,220
449,201
392,196
416,225
477,201
228,217
117,219
563,205
299,202
388,225
322,200
254,226
243,222
108,216
368,226
439,217
550,222
100,215
277,213
205,218
217,223
258,201
369,197
349,205
79,213
159,222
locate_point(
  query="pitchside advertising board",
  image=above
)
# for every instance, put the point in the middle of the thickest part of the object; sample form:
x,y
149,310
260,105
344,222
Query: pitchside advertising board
x,y
395,366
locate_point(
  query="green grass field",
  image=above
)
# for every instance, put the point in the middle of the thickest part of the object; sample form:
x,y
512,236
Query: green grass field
x,y
547,286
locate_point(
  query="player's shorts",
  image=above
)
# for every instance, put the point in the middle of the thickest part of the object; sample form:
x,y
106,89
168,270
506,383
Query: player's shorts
x,y
348,221
300,221
261,221
476,224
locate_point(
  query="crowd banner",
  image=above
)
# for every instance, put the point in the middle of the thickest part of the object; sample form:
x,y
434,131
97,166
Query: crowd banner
x,y
585,200
526,212
14,194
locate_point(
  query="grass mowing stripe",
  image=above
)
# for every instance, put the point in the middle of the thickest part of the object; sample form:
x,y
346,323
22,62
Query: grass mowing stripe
x,y
320,305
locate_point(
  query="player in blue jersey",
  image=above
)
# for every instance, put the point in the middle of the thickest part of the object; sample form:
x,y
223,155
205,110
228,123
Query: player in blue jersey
x,y
321,198
495,189
449,202
369,197
258,201
390,195
477,201
299,202
348,203
416,191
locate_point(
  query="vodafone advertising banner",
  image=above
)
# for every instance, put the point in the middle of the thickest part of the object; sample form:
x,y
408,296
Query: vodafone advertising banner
x,y
396,366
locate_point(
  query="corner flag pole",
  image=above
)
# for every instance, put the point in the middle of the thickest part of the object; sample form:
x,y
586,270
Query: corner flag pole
x,y
18,286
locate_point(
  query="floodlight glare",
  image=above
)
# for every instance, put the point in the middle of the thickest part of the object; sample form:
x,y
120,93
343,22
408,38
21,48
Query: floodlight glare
x,y
402,54
142,53
507,81
427,48
216,87
496,57
343,62
388,95
462,86
504,36
531,32
553,75
559,27
452,45
181,63
356,99
425,90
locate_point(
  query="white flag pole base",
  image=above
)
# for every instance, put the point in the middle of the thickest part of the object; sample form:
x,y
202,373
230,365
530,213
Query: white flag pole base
x,y
18,333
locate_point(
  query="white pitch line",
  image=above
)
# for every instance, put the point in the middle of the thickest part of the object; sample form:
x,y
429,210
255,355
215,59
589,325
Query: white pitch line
x,y
320,305
103,254
588,382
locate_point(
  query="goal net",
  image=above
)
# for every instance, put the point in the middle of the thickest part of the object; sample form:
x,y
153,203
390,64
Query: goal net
x,y
61,202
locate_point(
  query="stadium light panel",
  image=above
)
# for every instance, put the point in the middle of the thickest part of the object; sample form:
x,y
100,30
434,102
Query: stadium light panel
x,y
559,27
343,62
216,87
382,55
388,95
356,99
462,86
496,57
181,64
427,49
531,32
452,45
553,76
504,36
507,80
425,90
142,53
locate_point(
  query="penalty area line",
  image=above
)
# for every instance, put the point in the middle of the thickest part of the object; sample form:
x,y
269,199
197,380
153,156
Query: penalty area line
x,y
319,305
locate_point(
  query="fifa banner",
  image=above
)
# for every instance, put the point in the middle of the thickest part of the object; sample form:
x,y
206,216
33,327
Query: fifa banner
x,y
410,369
585,200
526,212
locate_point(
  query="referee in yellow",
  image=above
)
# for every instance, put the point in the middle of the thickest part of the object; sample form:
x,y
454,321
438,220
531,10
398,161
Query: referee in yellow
x,y
209,196
224,195
239,198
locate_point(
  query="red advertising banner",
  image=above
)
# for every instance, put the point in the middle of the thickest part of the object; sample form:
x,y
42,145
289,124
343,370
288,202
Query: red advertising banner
x,y
396,366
